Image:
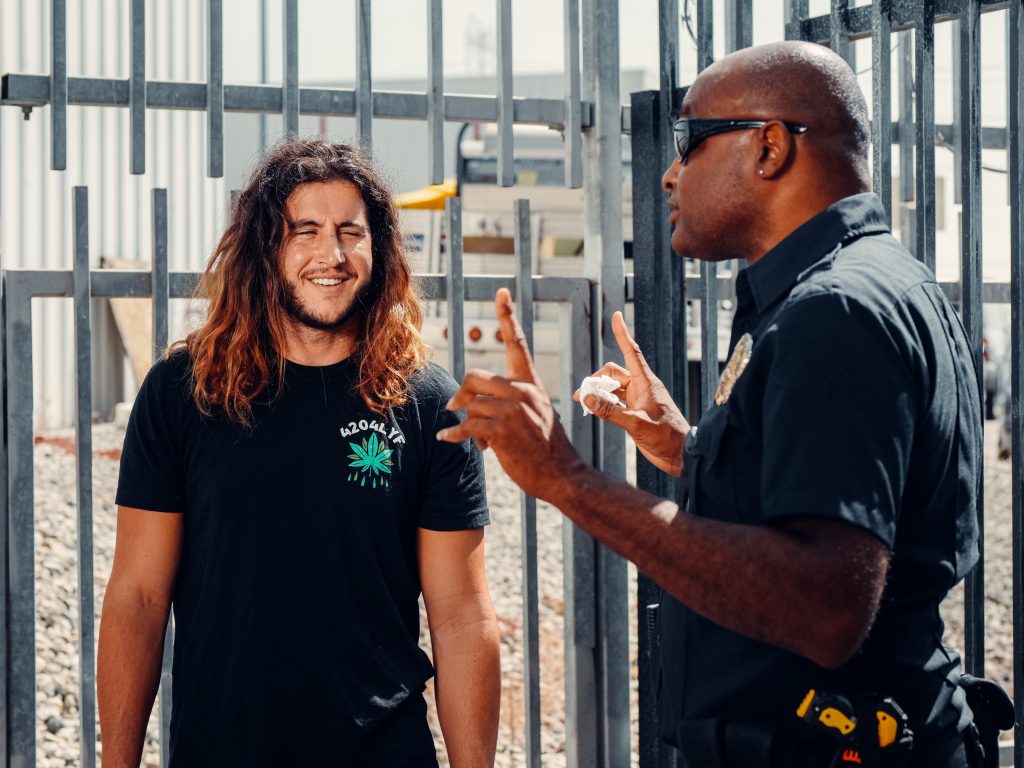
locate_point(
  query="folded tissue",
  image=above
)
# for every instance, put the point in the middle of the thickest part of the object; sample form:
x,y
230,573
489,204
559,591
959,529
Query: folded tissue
x,y
601,387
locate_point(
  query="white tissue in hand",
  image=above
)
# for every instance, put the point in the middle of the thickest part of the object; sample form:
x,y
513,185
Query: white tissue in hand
x,y
599,386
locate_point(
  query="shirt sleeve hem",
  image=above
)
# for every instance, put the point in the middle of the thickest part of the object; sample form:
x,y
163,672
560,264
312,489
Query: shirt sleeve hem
x,y
148,503
466,523
854,513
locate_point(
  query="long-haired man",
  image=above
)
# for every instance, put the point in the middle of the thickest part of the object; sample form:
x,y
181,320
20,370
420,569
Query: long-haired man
x,y
281,487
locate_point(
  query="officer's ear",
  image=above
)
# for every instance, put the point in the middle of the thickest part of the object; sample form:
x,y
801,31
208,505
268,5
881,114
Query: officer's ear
x,y
777,149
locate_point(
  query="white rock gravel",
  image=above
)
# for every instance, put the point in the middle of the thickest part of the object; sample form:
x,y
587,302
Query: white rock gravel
x,y
57,602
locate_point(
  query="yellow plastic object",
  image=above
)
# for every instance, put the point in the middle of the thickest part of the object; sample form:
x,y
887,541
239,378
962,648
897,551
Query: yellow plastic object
x,y
886,729
833,718
430,198
805,704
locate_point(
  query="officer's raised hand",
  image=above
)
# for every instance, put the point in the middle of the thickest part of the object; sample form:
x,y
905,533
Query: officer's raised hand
x,y
650,416
514,416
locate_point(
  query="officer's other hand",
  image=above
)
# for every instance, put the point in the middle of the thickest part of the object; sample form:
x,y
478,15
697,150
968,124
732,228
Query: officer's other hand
x,y
514,416
649,416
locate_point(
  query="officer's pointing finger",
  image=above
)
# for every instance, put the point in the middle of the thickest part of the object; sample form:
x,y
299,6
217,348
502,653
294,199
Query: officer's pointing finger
x,y
517,352
631,353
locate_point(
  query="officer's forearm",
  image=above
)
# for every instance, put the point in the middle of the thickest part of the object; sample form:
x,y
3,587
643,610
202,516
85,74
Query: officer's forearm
x,y
810,589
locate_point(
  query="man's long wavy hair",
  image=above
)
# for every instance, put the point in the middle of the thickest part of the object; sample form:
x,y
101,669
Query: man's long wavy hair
x,y
238,353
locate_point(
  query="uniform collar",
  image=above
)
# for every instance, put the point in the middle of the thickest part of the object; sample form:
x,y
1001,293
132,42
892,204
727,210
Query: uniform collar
x,y
786,264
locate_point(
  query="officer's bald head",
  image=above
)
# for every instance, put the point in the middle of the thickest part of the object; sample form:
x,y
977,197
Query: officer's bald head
x,y
740,192
793,81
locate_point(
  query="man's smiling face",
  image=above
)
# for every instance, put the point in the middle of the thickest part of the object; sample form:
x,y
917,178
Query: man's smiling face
x,y
326,258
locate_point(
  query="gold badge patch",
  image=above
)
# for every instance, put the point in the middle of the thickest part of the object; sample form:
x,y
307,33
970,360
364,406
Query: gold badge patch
x,y
734,368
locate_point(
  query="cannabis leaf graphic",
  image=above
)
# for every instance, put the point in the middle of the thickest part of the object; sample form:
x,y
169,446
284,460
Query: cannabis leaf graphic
x,y
371,459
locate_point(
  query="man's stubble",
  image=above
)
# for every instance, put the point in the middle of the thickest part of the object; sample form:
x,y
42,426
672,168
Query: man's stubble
x,y
301,314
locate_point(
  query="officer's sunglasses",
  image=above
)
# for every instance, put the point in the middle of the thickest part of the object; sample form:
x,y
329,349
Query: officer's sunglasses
x,y
689,132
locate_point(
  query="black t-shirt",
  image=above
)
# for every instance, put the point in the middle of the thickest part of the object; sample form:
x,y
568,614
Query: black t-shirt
x,y
296,602
859,403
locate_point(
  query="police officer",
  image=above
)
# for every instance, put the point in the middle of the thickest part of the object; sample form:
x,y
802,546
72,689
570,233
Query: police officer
x,y
830,490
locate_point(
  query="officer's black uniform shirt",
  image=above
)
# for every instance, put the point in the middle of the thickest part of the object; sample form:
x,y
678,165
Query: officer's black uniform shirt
x,y
859,403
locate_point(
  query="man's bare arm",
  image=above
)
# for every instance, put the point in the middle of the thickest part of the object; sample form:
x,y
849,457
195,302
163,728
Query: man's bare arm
x,y
809,585
465,640
135,610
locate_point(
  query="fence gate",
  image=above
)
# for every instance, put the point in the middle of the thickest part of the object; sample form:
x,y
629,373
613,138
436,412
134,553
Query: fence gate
x,y
594,119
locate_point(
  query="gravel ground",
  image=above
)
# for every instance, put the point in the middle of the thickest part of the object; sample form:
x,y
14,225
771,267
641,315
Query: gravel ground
x,y
57,600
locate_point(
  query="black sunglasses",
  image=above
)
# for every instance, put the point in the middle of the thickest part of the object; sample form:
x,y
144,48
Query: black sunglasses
x,y
689,132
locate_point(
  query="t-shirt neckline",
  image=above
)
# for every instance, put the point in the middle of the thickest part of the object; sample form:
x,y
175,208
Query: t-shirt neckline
x,y
297,370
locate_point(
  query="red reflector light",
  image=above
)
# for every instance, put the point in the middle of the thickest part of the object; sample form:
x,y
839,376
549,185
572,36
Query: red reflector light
x,y
475,334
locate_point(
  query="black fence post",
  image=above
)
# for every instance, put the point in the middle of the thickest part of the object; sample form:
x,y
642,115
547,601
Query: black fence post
x,y
660,330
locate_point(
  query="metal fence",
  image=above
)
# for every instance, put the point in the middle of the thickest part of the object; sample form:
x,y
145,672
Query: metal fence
x,y
906,28
594,121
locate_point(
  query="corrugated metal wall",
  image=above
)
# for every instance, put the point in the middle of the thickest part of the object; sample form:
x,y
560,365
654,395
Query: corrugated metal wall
x,y
35,228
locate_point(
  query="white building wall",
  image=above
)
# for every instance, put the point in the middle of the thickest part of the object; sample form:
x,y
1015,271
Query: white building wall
x,y
35,202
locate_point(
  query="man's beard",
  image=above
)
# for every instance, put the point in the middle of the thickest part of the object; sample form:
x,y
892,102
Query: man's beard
x,y
298,311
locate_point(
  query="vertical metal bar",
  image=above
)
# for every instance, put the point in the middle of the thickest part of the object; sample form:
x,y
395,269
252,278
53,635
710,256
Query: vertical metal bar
x,y
907,215
264,70
58,85
956,140
839,39
290,62
137,87
708,332
1015,123
83,459
573,108
5,710
603,266
654,295
905,52
705,33
739,31
708,269
160,288
579,549
456,290
364,82
21,597
924,101
796,11
969,76
215,89
668,66
881,99
1009,101
528,505
166,694
669,100
506,159
160,280
435,96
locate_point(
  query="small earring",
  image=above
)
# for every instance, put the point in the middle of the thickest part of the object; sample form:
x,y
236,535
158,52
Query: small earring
x,y
760,171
